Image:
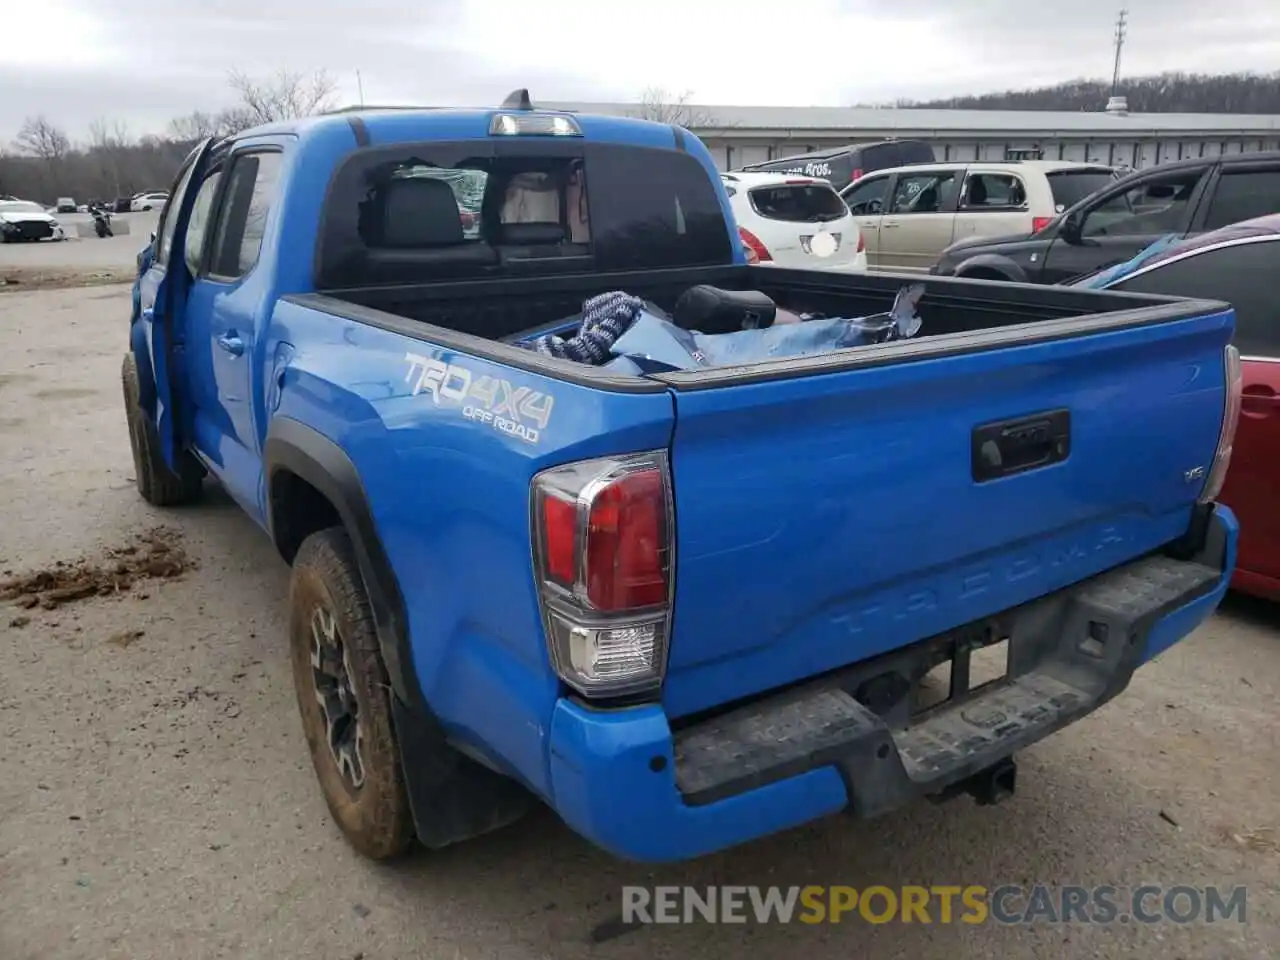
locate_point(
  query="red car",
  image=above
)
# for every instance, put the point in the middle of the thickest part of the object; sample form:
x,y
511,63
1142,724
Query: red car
x,y
1241,265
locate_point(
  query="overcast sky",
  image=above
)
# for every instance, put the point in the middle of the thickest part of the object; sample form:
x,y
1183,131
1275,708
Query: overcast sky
x,y
142,62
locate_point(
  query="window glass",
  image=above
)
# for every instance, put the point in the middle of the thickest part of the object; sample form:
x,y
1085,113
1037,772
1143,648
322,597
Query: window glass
x,y
866,197
1242,275
250,192
169,217
1156,206
1069,187
1243,196
796,203
448,211
924,192
998,190
199,222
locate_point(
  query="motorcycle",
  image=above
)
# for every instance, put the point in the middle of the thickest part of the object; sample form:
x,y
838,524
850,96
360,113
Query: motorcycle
x,y
101,220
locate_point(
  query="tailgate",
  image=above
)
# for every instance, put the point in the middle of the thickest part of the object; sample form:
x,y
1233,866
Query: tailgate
x,y
829,517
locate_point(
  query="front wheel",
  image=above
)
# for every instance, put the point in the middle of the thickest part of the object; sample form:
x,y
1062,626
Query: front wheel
x,y
344,697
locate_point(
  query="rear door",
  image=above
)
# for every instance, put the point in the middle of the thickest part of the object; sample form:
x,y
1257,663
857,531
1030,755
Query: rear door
x,y
866,201
1242,273
162,292
919,221
1121,222
992,204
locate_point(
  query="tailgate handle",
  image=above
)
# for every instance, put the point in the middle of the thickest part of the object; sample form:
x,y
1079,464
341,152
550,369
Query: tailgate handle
x,y
1016,446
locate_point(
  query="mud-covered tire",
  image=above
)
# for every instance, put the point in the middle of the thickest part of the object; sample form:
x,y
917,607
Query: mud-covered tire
x,y
374,817
157,484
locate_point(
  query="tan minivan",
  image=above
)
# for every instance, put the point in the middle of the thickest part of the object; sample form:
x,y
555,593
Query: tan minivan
x,y
909,215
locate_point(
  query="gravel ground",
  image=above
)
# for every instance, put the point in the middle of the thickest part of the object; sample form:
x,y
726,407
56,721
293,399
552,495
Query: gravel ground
x,y
80,259
156,800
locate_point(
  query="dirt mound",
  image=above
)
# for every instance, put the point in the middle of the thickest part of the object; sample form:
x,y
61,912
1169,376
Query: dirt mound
x,y
18,279
156,554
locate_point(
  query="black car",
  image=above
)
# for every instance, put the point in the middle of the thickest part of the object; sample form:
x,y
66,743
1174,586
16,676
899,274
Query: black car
x,y
1112,225
842,165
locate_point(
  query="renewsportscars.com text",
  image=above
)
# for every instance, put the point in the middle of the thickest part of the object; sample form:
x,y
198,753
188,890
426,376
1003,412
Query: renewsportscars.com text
x,y
973,904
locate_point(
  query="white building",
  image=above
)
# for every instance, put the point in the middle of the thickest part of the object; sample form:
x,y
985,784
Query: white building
x,y
742,135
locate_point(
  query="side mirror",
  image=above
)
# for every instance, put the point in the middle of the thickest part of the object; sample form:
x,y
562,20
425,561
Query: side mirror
x,y
1070,228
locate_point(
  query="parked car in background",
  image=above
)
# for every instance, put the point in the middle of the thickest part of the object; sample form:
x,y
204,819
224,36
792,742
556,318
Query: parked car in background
x,y
23,220
793,221
145,202
65,205
1238,264
841,166
122,205
1109,226
909,215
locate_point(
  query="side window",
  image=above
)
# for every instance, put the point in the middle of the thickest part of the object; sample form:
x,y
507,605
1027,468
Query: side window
x,y
993,191
200,221
1243,196
250,192
866,197
1242,275
169,218
924,192
1155,206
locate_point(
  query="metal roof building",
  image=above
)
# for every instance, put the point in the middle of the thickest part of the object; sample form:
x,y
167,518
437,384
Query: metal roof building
x,y
740,135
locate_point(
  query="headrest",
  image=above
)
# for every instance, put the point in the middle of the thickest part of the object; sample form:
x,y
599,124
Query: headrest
x,y
531,198
420,212
516,234
711,310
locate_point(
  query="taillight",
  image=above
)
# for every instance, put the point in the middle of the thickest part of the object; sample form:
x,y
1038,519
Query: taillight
x,y
602,531
862,243
754,246
1039,223
1230,418
855,175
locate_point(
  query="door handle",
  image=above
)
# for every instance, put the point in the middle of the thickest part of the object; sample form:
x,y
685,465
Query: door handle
x,y
1258,401
231,343
889,223
148,315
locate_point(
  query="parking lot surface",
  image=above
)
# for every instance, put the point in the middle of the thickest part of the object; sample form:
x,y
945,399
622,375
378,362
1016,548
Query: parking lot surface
x,y
157,801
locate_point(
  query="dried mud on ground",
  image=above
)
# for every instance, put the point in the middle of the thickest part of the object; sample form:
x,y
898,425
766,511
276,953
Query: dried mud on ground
x,y
155,554
26,279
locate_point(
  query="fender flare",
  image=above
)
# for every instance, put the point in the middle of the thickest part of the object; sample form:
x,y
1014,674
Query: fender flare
x,y
992,261
293,446
451,796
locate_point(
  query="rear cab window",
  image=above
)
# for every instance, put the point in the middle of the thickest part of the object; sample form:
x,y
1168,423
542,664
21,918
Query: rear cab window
x,y
798,202
1069,187
447,211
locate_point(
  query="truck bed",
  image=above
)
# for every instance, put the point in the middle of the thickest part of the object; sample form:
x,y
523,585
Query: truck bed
x,y
505,310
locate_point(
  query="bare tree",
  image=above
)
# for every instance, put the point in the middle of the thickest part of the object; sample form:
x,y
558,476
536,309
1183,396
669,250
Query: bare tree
x,y
284,96
109,143
662,106
40,138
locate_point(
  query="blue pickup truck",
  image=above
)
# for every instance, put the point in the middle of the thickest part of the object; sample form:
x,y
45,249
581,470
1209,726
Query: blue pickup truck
x,y
688,608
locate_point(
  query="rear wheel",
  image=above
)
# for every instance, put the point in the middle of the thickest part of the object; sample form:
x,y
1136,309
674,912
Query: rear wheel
x,y
157,484
344,697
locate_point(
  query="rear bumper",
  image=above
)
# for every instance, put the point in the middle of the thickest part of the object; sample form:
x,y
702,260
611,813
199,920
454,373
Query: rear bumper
x,y
622,778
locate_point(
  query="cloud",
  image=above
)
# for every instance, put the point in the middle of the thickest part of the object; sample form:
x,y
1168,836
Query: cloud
x,y
133,61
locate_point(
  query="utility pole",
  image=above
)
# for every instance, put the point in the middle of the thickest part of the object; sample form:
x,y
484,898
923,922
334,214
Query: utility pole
x,y
1121,29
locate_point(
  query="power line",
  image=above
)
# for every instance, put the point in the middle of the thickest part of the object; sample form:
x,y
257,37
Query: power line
x,y
1121,30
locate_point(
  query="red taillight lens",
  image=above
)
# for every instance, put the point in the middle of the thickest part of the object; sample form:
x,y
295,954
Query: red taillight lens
x,y
1039,223
862,243
1234,382
854,176
559,538
754,246
626,543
